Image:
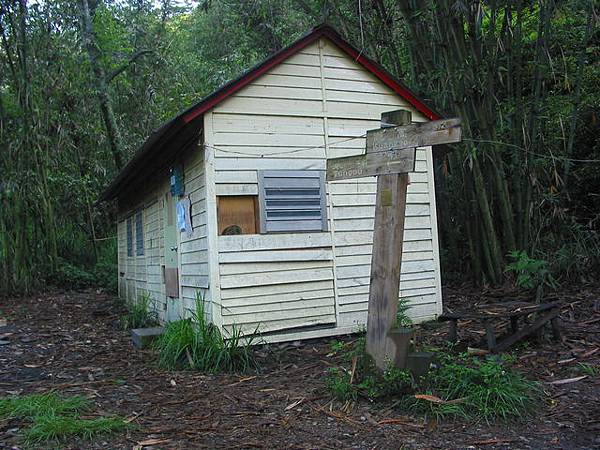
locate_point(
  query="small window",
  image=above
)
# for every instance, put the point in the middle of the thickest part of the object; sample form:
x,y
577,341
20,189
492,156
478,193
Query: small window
x,y
237,214
129,236
292,201
139,234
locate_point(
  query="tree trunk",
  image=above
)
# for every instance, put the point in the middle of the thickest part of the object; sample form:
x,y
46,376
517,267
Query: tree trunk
x,y
108,115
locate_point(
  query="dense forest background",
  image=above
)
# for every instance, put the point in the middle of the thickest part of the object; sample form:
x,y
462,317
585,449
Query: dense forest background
x,y
83,83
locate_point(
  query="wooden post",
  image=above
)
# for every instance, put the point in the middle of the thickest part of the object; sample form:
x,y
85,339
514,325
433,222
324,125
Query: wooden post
x,y
388,235
390,155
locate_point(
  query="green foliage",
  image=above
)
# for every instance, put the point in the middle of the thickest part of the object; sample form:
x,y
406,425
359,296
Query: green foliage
x,y
45,404
530,272
337,346
140,314
197,344
338,384
402,319
55,418
102,273
516,112
69,276
462,386
58,428
106,269
475,388
368,381
589,369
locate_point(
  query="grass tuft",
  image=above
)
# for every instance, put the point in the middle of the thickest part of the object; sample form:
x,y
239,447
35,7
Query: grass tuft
x,y
55,418
58,428
139,314
197,344
367,381
472,387
34,405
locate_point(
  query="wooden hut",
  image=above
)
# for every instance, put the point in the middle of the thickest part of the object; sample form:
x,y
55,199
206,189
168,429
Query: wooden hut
x,y
228,201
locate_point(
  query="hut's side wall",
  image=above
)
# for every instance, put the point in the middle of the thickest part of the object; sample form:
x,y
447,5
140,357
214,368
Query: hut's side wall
x,y
354,102
143,275
292,118
193,247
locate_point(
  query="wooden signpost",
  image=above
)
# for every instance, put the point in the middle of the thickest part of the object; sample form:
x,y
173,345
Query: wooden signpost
x,y
390,154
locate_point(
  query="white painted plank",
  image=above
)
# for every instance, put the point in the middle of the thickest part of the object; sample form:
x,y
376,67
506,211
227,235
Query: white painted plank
x,y
261,268
284,324
246,293
238,176
273,241
274,79
238,123
273,107
276,256
303,305
281,297
247,140
237,189
268,163
263,91
270,316
282,277
296,70
351,238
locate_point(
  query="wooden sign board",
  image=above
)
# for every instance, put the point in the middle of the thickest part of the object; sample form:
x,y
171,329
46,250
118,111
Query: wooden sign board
x,y
370,164
446,131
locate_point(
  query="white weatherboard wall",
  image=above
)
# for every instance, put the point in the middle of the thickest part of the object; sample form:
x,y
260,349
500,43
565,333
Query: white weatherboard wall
x,y
141,275
312,105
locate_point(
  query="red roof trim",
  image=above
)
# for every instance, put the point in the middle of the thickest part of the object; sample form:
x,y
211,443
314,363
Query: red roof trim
x,y
251,76
278,58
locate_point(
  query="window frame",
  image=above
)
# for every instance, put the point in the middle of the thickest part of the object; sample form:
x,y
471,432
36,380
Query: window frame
x,y
139,229
221,199
129,234
262,198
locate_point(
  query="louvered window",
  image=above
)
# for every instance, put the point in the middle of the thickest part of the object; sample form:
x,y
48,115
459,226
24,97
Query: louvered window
x,y
129,236
139,234
292,201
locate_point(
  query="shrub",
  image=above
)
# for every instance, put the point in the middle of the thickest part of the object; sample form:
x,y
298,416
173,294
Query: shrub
x,y
67,275
197,344
530,272
338,384
106,268
402,319
139,314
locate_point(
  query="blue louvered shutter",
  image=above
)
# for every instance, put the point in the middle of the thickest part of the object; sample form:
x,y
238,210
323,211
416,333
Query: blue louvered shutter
x,y
129,237
139,234
292,200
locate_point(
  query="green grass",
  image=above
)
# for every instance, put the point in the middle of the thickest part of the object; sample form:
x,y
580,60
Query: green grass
x,y
589,369
463,386
196,344
29,406
55,418
368,381
59,428
139,314
477,388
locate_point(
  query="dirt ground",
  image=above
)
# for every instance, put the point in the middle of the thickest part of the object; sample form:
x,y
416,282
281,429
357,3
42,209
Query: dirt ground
x,y
71,343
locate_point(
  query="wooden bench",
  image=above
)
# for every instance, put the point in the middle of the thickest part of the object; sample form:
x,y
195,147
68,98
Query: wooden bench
x,y
488,313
